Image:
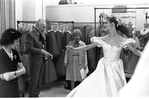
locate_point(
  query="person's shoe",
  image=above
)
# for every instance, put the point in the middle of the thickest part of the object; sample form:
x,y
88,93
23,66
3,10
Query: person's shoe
x,y
67,86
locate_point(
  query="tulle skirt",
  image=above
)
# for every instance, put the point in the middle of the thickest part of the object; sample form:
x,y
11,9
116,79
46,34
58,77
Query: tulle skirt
x,y
132,64
49,74
60,68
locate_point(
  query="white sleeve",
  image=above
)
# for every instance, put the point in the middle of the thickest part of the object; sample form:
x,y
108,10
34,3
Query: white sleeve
x,y
128,41
96,40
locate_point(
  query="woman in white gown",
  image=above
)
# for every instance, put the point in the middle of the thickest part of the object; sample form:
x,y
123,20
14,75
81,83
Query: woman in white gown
x,y
109,77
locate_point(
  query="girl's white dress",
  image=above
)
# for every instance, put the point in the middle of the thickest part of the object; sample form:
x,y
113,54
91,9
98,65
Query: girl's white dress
x,y
109,77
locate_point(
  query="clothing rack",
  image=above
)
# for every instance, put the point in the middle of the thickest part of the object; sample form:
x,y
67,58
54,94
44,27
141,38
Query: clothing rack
x,y
127,17
46,21
51,22
95,9
84,23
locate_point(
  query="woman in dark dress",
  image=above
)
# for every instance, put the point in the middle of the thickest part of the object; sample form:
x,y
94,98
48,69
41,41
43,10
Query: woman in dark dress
x,y
11,66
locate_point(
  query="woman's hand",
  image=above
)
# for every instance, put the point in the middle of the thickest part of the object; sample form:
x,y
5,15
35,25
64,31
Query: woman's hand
x,y
20,65
134,50
2,77
7,76
69,47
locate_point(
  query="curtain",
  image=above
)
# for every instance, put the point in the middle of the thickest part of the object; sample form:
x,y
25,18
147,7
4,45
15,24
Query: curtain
x,y
7,15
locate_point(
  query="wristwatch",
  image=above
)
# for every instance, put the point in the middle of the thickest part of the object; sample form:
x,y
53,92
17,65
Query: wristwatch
x,y
15,73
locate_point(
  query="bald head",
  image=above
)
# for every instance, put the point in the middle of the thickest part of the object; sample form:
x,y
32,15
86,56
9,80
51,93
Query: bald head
x,y
40,25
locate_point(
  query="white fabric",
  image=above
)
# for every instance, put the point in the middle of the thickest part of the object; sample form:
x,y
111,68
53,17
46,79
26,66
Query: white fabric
x,y
108,78
84,72
10,55
144,31
138,86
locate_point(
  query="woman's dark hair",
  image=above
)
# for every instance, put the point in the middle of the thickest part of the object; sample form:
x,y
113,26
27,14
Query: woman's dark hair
x,y
121,27
9,36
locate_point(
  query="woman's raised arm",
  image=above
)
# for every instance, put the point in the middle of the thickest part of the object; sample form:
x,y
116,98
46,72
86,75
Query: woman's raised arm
x,y
85,47
134,50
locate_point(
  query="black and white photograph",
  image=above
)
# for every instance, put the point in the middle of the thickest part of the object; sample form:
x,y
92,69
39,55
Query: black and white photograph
x,y
74,48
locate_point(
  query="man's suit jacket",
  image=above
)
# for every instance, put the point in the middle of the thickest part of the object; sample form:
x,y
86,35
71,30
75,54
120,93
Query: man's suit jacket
x,y
34,48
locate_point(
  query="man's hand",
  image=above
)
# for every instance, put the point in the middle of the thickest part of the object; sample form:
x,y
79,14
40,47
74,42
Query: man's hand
x,y
46,54
51,56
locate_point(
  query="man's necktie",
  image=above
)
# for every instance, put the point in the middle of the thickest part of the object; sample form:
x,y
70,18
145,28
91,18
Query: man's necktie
x,y
41,38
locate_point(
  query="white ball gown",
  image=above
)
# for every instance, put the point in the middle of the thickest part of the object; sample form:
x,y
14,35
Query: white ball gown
x,y
109,77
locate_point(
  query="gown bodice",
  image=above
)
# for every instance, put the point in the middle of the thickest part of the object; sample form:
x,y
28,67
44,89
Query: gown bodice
x,y
111,52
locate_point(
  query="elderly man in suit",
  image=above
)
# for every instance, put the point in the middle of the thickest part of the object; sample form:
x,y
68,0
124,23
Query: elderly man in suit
x,y
38,55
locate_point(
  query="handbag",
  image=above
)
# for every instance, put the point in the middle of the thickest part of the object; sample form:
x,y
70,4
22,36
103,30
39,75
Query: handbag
x,y
84,72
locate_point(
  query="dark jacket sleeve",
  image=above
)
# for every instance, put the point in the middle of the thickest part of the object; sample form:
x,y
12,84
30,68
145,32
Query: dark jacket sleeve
x,y
31,43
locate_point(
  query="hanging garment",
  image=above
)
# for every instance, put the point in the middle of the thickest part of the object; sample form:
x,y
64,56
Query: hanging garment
x,y
133,59
122,57
67,36
49,74
52,44
132,64
91,54
60,68
59,37
88,33
23,44
26,62
146,38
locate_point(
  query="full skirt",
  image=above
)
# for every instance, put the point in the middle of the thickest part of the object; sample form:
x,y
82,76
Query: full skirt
x,y
105,81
